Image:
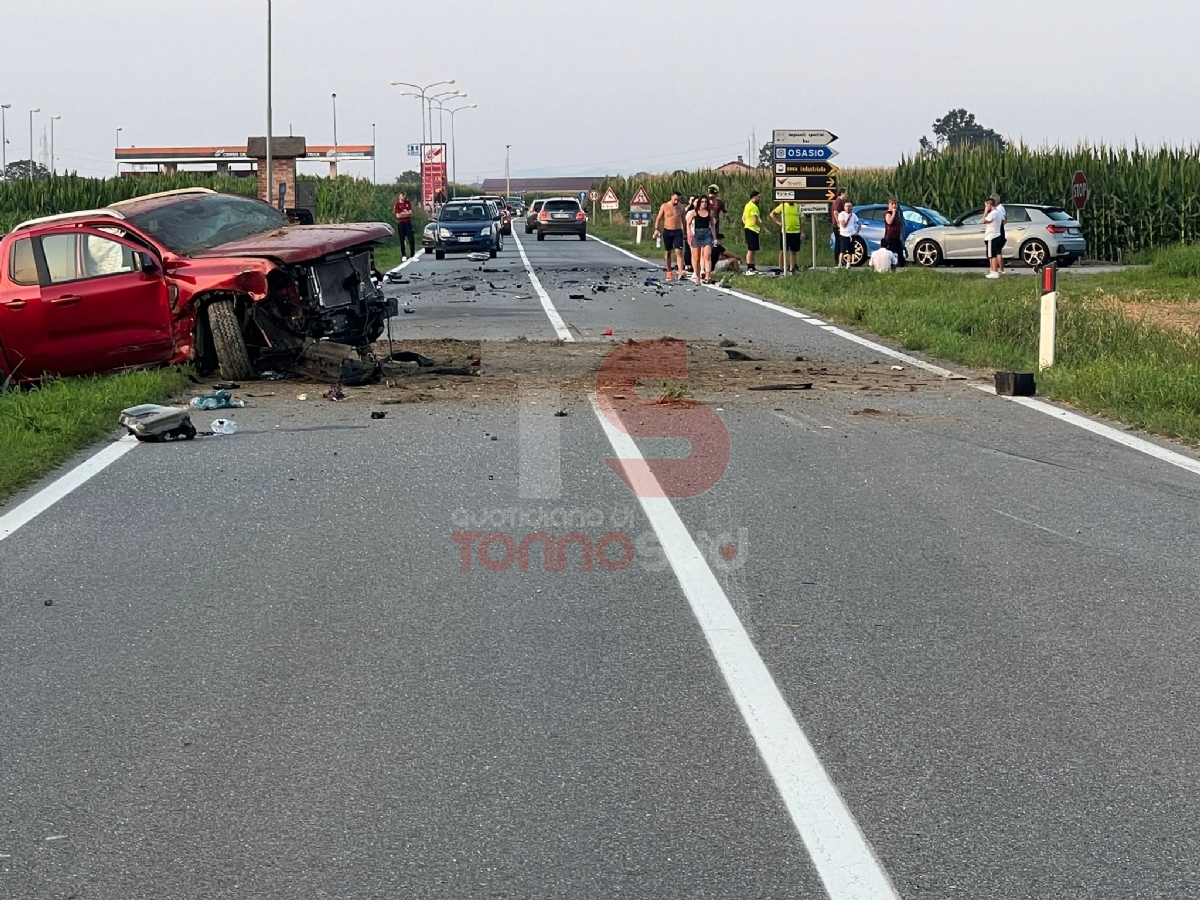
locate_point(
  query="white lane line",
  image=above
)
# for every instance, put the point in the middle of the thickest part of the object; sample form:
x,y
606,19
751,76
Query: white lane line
x,y
649,264
45,498
560,327
841,854
1109,432
1100,429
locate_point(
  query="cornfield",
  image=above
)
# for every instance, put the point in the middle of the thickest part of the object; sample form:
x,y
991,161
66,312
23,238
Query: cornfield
x,y
1140,197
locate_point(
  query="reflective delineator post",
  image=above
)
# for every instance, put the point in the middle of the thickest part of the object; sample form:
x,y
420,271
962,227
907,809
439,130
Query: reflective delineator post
x,y
1049,316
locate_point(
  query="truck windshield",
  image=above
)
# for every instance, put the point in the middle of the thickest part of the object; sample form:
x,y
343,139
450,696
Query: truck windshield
x,y
198,223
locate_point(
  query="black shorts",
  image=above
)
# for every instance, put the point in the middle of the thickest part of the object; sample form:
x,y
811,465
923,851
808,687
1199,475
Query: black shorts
x,y
751,240
673,239
793,242
844,244
994,246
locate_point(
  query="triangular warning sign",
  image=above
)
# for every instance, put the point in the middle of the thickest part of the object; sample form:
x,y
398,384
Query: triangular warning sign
x,y
610,196
641,198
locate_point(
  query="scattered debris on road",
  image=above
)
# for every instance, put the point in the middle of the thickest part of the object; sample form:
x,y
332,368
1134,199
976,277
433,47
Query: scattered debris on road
x,y
152,423
217,400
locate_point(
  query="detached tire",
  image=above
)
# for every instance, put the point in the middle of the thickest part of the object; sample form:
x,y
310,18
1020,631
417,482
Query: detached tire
x,y
228,341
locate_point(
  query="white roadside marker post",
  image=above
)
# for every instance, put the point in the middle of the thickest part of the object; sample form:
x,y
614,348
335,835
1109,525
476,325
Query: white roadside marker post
x,y
1049,316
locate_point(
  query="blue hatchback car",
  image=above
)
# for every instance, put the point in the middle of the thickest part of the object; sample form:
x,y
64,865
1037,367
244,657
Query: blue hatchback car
x,y
468,226
871,216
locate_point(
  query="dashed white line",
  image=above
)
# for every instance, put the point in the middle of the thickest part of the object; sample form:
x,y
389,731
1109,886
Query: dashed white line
x,y
841,854
45,498
560,327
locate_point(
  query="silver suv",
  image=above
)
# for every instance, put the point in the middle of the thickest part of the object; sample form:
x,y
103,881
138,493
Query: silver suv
x,y
1035,235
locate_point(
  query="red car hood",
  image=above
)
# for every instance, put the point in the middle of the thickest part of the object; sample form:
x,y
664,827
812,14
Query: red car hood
x,y
299,243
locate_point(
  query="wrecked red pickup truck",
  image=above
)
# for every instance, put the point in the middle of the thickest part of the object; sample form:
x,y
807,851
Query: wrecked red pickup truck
x,y
218,280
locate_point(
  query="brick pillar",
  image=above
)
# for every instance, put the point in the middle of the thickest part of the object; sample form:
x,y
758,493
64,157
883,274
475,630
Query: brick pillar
x,y
284,153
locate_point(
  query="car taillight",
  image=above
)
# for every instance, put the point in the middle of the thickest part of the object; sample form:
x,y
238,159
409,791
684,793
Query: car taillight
x,y
581,215
1057,229
543,216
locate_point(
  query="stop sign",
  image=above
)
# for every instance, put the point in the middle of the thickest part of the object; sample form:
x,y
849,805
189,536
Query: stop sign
x,y
1079,190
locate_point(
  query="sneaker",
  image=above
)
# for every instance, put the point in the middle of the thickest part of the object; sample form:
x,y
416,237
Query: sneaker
x,y
669,275
992,275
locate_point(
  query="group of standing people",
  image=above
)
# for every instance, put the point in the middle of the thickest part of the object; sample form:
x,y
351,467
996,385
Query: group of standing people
x,y
691,233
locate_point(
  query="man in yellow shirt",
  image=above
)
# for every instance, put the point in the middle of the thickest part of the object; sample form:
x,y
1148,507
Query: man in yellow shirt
x,y
752,220
792,234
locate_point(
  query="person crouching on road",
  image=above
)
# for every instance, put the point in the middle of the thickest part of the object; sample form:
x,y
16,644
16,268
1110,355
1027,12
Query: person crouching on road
x,y
723,260
752,221
893,231
848,227
670,215
700,229
403,210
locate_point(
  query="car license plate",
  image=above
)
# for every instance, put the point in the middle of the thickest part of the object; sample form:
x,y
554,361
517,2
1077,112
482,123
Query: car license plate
x,y
1074,230
464,240
561,216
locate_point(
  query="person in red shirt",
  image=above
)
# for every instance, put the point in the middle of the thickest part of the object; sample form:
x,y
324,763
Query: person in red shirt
x,y
403,211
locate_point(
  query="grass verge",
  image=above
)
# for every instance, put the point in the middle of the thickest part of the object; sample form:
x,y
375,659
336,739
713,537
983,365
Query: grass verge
x,y
45,426
1128,342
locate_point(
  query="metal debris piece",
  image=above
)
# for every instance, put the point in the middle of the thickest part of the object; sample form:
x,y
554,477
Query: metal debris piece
x,y
739,356
802,386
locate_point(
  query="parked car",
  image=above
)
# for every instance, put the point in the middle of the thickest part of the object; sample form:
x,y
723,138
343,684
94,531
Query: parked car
x,y
429,236
505,213
1035,236
217,280
561,215
531,216
468,226
871,235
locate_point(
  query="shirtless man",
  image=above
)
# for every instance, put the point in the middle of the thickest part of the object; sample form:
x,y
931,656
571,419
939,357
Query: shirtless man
x,y
670,214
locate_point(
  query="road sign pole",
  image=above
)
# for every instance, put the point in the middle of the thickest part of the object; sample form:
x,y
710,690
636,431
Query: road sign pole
x,y
639,234
813,231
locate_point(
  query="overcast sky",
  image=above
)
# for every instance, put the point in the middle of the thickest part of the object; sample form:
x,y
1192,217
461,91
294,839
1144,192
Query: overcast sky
x,y
598,86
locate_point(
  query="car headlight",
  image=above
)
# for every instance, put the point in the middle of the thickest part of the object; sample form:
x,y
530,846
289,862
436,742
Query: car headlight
x,y
485,231
444,233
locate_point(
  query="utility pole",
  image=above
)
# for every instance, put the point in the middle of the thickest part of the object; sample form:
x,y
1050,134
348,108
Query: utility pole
x,y
507,179
335,143
270,175
31,112
374,157
3,139
53,169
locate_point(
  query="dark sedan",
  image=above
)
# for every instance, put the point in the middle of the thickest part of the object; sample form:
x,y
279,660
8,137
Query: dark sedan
x,y
562,215
467,226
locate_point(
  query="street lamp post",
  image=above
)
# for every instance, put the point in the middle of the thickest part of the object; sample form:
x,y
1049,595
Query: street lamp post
x,y
507,179
119,130
374,157
454,145
53,169
335,143
3,139
31,112
440,99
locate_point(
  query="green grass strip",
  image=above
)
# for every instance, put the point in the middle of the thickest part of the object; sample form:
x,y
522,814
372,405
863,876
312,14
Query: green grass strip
x,y
45,426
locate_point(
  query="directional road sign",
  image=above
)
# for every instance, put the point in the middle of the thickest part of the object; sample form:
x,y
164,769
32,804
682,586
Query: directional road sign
x,y
414,149
610,200
804,195
802,136
583,196
804,152
814,209
805,168
805,181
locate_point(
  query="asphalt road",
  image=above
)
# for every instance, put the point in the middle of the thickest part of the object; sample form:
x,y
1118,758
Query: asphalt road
x,y
266,673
